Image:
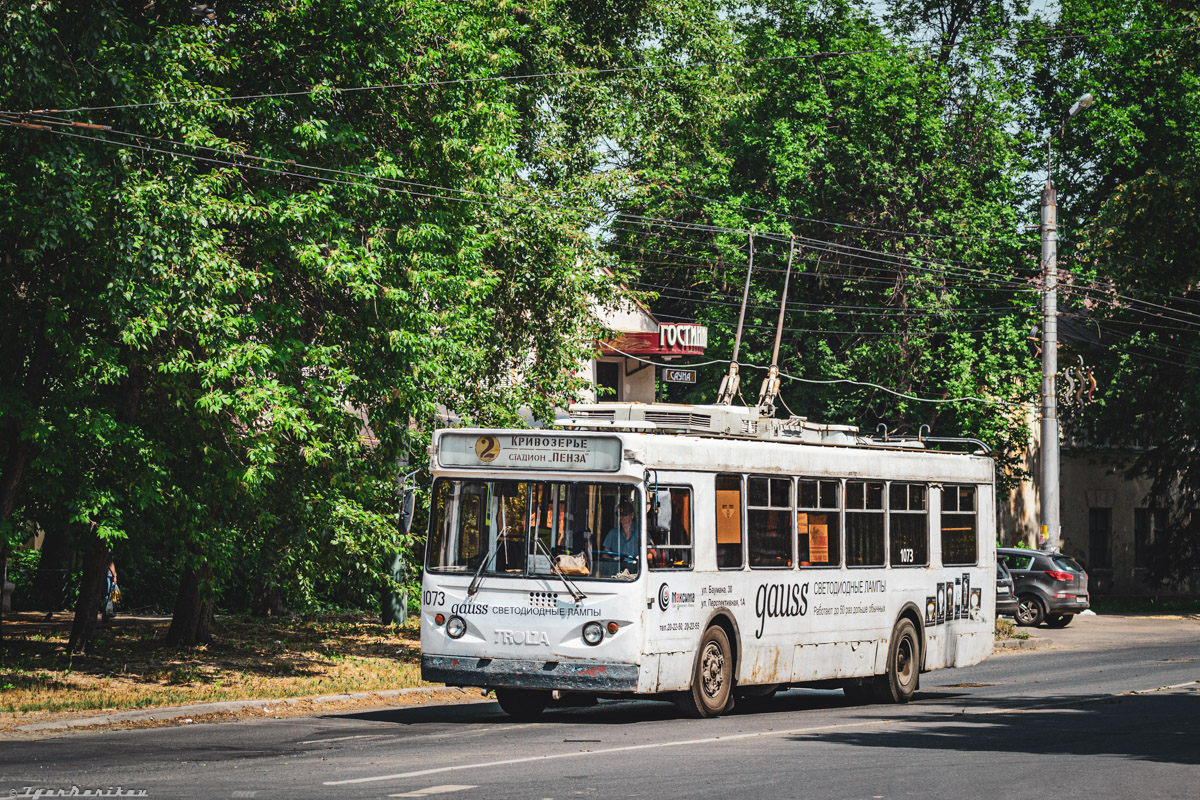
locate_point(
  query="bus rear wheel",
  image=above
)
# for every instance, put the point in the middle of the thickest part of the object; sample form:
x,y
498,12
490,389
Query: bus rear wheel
x,y
899,683
712,683
524,704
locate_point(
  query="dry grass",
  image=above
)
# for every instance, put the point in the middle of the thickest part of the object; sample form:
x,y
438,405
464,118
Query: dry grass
x,y
130,667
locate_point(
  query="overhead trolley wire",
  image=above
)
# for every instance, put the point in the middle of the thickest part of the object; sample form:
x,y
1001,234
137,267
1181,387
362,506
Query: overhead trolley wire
x,y
833,381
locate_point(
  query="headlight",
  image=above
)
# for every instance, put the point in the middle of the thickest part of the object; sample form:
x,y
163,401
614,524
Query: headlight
x,y
456,626
593,634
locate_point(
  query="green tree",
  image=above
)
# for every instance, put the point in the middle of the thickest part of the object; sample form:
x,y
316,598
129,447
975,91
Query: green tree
x,y
228,321
1129,178
895,170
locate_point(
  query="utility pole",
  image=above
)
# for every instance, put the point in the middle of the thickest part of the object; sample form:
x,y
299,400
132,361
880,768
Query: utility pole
x,y
1051,534
1051,537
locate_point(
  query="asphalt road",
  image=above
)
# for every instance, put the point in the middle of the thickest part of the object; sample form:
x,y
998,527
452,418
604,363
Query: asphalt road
x,y
1110,710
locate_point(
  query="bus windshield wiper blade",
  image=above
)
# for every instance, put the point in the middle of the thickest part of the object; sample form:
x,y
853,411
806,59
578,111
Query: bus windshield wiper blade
x,y
576,594
478,578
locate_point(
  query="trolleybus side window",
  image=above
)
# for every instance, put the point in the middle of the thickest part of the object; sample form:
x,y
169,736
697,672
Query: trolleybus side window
x,y
818,537
960,539
669,528
769,521
864,524
908,524
729,521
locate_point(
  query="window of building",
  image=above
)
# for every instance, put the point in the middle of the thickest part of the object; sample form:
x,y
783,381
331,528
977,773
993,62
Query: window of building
x,y
608,381
1148,525
669,525
864,524
818,540
1099,538
960,529
769,521
908,524
729,522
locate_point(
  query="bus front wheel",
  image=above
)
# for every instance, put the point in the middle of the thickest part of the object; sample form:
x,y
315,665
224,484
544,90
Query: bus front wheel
x,y
899,683
712,683
523,704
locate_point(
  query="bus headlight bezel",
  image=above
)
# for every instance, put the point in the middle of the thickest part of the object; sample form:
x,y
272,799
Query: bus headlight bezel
x,y
456,627
593,633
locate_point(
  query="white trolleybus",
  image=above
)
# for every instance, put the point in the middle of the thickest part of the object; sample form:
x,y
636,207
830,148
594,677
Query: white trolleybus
x,y
698,553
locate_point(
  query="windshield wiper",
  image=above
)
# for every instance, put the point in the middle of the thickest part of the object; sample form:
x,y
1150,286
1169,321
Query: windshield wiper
x,y
576,594
478,578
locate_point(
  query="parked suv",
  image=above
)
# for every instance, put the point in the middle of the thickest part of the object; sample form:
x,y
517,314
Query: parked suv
x,y
1050,587
1006,596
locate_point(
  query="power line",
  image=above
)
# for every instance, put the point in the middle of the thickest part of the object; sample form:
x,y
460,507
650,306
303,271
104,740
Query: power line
x,y
831,381
604,71
830,331
832,224
848,310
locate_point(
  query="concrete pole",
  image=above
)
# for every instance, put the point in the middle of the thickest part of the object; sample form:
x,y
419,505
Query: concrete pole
x,y
1051,538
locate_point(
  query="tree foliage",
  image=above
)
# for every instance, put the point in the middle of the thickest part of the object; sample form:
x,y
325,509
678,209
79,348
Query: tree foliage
x,y
251,311
894,172
288,239
1132,204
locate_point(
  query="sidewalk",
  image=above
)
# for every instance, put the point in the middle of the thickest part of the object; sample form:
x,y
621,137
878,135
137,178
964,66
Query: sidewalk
x,y
245,709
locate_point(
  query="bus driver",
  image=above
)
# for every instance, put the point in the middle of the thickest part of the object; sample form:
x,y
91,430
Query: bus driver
x,y
623,539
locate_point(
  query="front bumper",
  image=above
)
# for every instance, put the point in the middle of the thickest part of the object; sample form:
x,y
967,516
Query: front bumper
x,y
520,673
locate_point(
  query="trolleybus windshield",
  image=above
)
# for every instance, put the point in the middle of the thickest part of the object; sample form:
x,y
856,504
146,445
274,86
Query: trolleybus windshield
x,y
521,528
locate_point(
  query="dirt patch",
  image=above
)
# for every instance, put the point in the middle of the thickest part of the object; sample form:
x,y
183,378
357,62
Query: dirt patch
x,y
130,667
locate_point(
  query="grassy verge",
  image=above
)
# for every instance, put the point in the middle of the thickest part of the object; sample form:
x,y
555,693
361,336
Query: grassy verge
x,y
1145,605
130,666
1007,629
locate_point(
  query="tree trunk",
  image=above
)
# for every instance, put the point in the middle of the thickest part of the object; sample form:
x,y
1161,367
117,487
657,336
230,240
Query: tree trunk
x,y
18,448
192,620
52,583
268,600
91,594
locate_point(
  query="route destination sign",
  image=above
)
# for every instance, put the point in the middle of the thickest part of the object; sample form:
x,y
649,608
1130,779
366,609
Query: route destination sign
x,y
531,450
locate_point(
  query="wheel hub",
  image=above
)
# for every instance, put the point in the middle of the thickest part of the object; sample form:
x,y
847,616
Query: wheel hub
x,y
713,670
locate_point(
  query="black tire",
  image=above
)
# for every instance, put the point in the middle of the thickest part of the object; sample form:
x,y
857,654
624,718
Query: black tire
x,y
524,704
712,682
1059,620
860,694
899,683
1030,611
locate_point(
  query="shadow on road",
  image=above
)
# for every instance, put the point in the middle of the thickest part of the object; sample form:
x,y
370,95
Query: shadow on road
x,y
606,712
1157,727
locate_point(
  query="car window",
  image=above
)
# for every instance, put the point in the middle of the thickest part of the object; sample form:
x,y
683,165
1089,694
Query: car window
x,y
1001,570
1018,562
1069,564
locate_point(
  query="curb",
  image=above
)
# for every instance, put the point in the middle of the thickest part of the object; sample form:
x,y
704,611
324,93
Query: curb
x,y
202,709
1032,643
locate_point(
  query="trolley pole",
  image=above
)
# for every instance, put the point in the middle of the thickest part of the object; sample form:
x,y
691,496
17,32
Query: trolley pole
x,y
1051,526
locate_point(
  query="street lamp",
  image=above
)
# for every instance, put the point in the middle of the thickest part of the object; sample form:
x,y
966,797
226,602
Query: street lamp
x,y
1051,534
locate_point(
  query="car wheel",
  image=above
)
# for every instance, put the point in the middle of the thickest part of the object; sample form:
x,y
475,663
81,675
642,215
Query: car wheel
x,y
1030,611
903,667
712,684
523,704
1059,620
